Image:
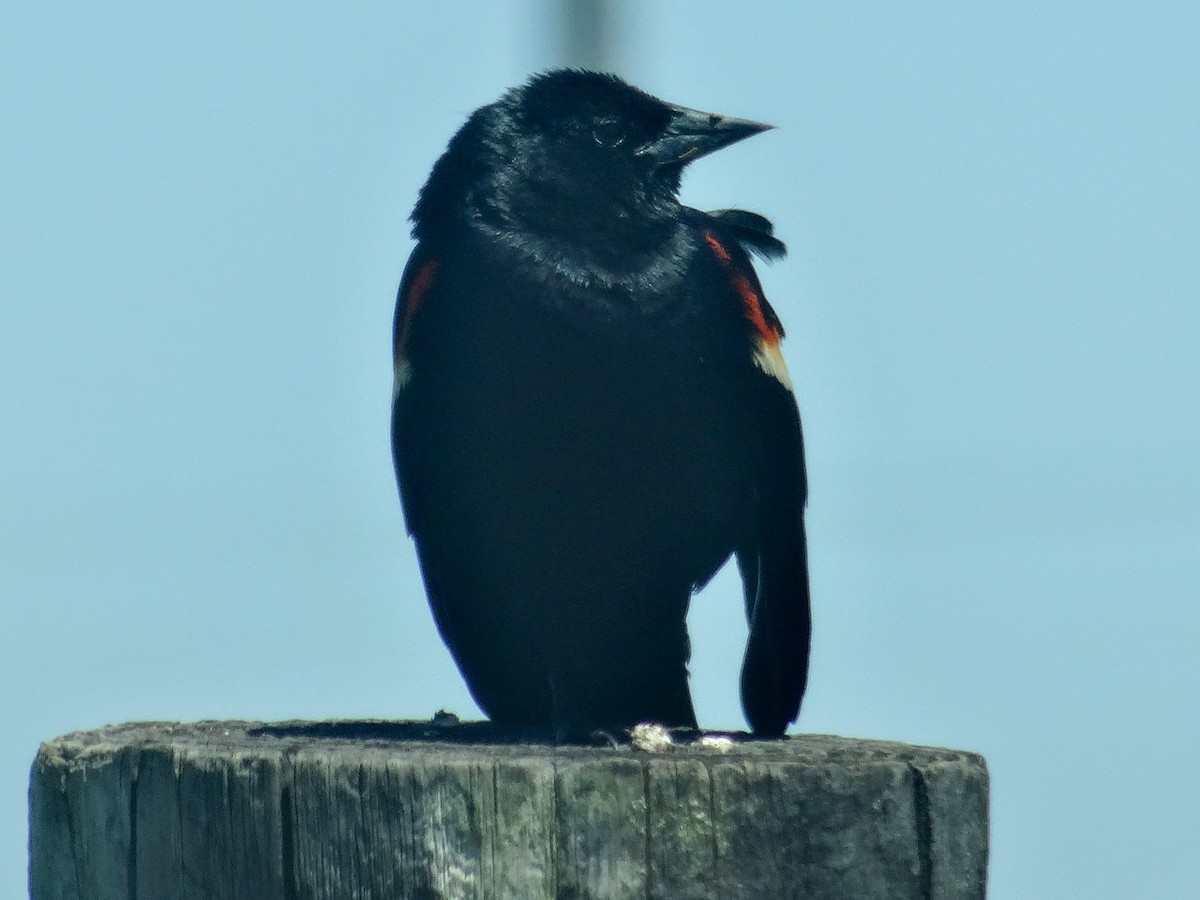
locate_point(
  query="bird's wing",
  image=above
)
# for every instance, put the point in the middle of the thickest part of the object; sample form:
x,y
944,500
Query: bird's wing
x,y
754,232
774,568
415,285
410,452
772,557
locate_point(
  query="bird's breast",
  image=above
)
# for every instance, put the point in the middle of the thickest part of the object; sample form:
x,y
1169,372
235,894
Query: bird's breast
x,y
627,435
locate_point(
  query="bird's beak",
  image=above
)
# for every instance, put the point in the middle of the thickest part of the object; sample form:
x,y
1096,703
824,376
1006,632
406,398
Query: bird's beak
x,y
691,134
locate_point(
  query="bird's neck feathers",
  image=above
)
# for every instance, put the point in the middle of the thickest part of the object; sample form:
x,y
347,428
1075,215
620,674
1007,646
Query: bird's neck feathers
x,y
590,230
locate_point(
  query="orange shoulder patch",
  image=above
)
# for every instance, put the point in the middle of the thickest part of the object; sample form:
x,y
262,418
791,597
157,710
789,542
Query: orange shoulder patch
x,y
768,355
753,302
411,303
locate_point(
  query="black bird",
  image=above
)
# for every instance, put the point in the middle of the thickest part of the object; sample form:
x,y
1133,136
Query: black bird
x,y
591,413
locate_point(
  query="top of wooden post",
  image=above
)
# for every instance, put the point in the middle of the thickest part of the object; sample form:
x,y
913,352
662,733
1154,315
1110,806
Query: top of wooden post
x,y
418,809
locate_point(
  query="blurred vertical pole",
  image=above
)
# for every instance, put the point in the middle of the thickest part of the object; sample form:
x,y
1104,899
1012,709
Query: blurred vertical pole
x,y
586,29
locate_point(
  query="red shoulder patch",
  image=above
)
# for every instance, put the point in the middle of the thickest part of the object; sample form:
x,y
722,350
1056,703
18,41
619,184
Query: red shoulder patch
x,y
764,322
768,355
412,302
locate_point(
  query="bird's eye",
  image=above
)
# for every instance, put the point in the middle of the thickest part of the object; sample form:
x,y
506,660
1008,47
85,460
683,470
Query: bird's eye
x,y
608,133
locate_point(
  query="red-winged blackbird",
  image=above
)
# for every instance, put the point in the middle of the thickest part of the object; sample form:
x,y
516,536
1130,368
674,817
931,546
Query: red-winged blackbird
x,y
592,413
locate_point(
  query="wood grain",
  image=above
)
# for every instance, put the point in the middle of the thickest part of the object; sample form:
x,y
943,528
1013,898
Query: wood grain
x,y
366,810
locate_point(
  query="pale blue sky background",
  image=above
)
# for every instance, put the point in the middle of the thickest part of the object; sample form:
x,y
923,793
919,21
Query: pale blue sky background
x,y
991,300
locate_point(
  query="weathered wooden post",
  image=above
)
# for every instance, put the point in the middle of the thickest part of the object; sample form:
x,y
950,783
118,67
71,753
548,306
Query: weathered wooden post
x,y
156,811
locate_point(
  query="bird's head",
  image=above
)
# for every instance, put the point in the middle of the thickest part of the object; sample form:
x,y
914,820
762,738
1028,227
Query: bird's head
x,y
575,157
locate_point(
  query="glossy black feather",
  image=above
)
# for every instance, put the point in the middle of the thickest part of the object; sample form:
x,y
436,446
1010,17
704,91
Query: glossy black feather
x,y
754,232
584,426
